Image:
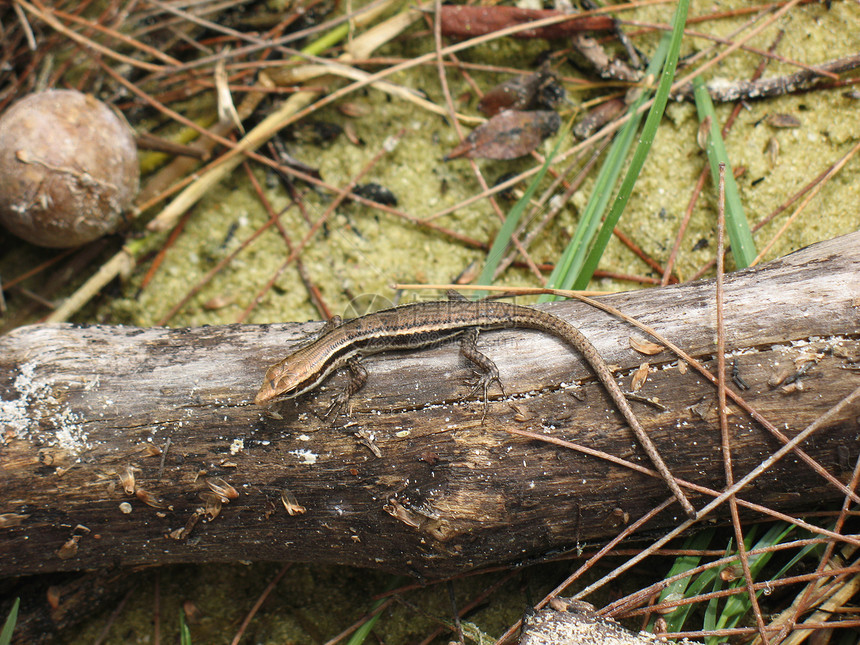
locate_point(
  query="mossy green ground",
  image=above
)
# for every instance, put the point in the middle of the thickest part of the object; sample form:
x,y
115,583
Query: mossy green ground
x,y
312,604
362,251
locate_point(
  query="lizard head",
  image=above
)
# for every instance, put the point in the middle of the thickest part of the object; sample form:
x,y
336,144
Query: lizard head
x,y
279,380
298,373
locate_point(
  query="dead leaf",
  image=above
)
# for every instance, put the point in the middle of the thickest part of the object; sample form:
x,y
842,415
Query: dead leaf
x,y
350,133
599,116
772,151
507,135
536,91
354,110
291,504
126,479
782,121
226,110
69,549
639,377
53,596
219,302
222,489
645,346
212,508
148,498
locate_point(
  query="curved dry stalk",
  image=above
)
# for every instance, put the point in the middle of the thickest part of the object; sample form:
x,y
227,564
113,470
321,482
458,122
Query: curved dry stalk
x,y
816,70
43,14
119,264
452,114
296,249
812,193
628,605
722,409
329,67
117,35
848,401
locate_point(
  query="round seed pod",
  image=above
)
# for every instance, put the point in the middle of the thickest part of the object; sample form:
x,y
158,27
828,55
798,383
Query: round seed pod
x,y
68,168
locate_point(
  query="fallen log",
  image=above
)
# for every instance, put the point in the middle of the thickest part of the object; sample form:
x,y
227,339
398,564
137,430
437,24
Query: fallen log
x,y
125,446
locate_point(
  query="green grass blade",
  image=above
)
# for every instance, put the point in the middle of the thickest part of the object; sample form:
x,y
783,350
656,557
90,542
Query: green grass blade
x,y
743,246
737,606
9,625
573,257
809,549
184,631
360,634
728,612
712,609
503,237
652,122
685,587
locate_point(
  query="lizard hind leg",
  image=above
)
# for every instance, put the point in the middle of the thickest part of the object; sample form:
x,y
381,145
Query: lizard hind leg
x,y
485,368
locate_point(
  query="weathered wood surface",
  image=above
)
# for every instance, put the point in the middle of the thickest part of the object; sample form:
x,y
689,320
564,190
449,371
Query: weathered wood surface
x,y
83,404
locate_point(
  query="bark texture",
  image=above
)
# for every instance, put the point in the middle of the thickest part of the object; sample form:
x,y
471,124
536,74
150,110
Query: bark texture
x,y
116,441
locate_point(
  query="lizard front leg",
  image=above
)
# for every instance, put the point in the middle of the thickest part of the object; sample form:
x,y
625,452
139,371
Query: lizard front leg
x,y
357,379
